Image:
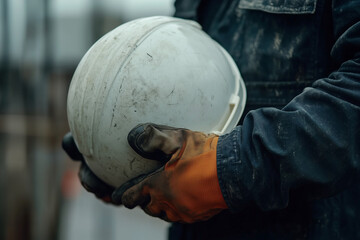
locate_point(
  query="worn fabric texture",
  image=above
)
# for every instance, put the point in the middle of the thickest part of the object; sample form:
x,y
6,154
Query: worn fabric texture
x,y
290,170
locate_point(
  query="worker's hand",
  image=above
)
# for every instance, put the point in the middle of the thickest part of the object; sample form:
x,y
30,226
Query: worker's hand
x,y
87,178
186,189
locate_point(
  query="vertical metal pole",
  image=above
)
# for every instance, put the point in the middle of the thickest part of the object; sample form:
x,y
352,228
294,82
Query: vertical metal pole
x,y
4,66
37,151
3,76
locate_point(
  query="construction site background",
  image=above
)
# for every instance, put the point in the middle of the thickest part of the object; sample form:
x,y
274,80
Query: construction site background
x,y
41,43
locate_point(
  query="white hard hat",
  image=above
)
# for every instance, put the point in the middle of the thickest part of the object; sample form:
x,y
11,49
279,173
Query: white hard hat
x,y
162,70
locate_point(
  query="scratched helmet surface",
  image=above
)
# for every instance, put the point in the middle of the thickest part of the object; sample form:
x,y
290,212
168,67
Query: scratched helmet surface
x,y
159,69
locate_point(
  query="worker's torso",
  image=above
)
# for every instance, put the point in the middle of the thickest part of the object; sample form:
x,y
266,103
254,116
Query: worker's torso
x,y
280,47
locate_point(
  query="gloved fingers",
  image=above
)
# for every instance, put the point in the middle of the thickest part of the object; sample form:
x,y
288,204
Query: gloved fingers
x,y
69,146
156,142
93,184
87,178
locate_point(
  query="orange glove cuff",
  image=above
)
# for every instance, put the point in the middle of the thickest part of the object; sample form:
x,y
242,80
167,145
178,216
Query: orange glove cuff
x,y
196,175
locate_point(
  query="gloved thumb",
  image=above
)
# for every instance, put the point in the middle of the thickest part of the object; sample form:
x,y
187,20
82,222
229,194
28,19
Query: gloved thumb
x,y
156,142
151,141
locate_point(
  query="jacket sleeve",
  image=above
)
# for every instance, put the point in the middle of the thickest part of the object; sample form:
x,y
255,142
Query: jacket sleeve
x,y
310,149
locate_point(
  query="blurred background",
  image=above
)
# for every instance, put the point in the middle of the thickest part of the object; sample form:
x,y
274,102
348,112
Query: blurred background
x,y
41,43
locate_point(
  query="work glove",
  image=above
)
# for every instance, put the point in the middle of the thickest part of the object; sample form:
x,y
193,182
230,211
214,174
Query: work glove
x,y
87,178
186,188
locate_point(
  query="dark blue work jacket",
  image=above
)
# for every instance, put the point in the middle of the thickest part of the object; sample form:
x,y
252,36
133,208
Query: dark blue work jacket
x,y
290,170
